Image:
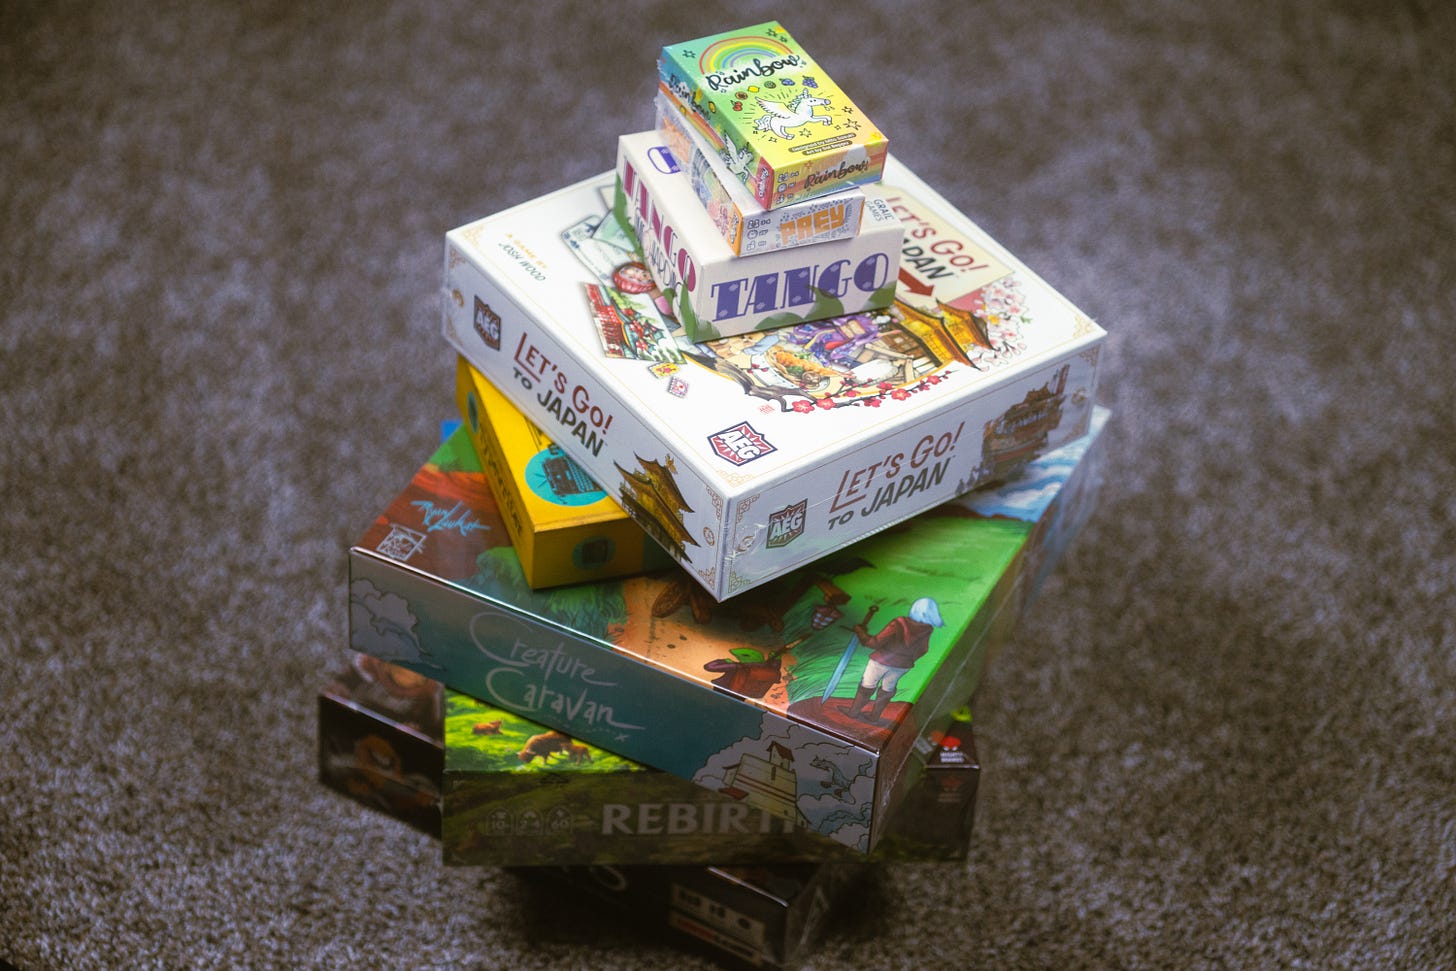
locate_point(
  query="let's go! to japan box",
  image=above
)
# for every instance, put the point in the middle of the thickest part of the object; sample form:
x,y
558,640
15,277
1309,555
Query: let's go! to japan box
x,y
794,133
810,692
713,292
750,456
564,527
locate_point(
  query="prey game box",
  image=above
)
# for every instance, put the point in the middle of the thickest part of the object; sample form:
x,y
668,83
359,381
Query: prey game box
x,y
745,225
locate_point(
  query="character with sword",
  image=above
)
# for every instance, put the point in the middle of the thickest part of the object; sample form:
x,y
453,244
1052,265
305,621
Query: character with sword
x,y
893,651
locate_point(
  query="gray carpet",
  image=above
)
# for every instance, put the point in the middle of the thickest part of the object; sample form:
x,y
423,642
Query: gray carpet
x,y
1224,739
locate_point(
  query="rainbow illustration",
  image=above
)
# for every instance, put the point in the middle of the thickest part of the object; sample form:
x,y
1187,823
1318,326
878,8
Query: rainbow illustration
x,y
742,49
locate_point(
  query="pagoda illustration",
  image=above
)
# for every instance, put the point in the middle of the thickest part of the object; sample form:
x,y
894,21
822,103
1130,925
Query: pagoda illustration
x,y
1020,433
767,784
944,336
651,497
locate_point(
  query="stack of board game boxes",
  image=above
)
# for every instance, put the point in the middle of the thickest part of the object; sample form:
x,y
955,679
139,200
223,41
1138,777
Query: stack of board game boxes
x,y
764,448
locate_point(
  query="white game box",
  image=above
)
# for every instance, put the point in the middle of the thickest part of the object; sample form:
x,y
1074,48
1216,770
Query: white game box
x,y
749,456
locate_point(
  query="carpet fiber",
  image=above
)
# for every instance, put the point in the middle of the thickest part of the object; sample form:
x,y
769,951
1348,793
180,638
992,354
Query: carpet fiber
x,y
1224,737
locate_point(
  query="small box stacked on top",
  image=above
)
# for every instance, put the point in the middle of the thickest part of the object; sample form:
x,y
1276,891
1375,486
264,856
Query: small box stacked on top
x,y
723,406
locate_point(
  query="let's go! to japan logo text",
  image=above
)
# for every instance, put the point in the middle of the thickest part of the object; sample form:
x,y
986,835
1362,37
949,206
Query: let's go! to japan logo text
x,y
740,444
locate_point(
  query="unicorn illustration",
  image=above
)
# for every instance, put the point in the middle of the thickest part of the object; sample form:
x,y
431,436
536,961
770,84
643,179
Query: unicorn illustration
x,y
779,117
737,159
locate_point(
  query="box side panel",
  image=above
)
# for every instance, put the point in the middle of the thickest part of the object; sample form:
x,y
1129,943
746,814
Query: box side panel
x,y
580,686
379,763
509,501
921,465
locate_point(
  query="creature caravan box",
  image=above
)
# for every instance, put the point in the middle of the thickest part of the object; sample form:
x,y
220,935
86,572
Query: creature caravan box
x,y
713,292
769,917
751,456
745,225
564,527
792,133
805,696
518,794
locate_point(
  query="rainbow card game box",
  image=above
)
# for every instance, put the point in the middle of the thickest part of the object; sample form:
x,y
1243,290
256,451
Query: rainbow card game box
x,y
564,527
792,132
706,284
751,456
804,697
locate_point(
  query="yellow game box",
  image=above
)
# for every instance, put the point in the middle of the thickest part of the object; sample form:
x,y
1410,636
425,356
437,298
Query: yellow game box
x,y
565,528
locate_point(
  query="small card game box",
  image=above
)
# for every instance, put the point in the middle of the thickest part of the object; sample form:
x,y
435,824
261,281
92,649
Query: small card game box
x,y
714,292
746,226
564,527
792,132
805,698
751,456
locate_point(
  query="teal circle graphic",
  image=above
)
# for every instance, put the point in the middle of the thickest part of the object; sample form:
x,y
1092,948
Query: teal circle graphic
x,y
557,479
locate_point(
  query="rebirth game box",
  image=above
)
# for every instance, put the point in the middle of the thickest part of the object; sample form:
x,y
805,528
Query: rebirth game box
x,y
516,793
750,456
794,133
804,697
